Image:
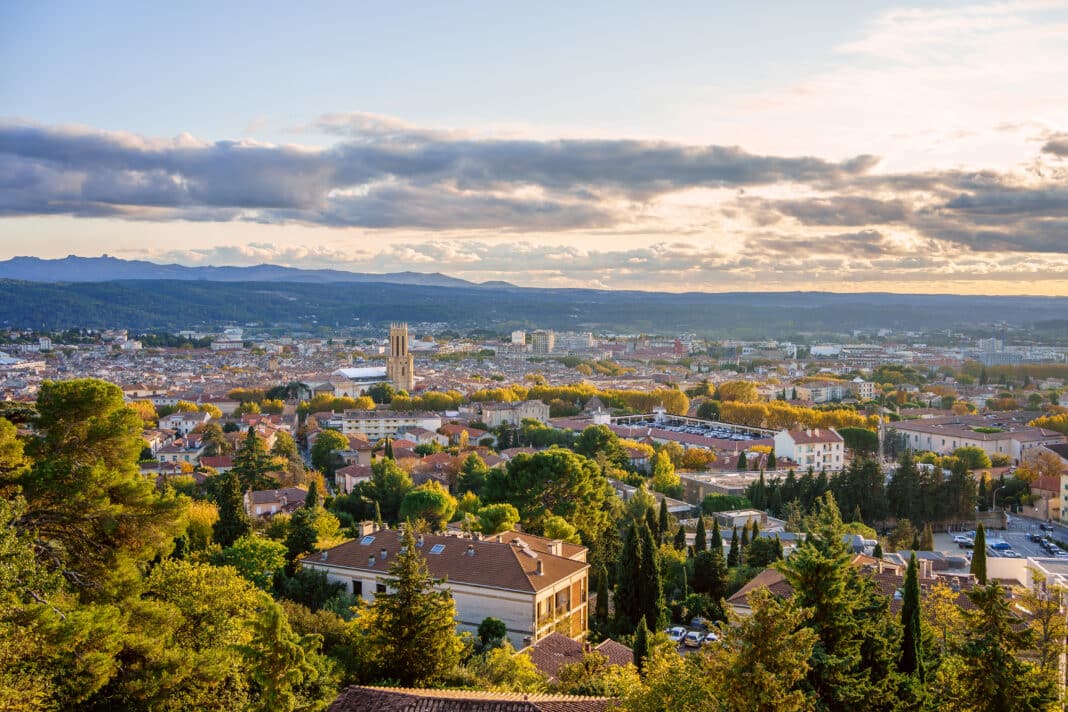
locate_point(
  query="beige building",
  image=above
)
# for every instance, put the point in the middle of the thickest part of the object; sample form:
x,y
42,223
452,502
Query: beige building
x,y
542,342
495,414
818,448
991,434
377,424
535,585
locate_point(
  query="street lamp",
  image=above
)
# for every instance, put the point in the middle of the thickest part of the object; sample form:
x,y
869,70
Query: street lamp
x,y
994,497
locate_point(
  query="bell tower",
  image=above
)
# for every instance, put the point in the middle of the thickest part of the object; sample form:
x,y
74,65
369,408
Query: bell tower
x,y
400,366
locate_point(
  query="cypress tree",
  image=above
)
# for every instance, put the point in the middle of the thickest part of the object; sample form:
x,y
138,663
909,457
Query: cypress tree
x,y
641,645
651,522
745,535
756,530
664,523
388,453
760,493
771,458
378,515
699,543
978,567
911,661
733,554
311,500
741,461
927,538
601,612
915,542
857,515
717,539
680,539
233,522
651,586
878,551
627,599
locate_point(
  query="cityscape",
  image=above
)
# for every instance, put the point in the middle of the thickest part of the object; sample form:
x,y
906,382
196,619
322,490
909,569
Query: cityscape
x,y
534,359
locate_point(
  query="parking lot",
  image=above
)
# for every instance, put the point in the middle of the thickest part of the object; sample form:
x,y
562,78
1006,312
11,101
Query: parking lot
x,y
1015,536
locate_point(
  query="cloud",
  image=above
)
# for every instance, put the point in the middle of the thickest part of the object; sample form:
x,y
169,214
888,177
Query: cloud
x,y
1057,145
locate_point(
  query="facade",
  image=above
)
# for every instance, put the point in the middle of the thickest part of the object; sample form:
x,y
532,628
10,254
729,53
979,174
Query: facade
x,y
536,586
354,382
542,342
818,448
400,368
944,435
264,503
497,414
377,424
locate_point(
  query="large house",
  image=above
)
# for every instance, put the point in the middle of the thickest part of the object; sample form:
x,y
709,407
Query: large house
x,y
818,448
535,585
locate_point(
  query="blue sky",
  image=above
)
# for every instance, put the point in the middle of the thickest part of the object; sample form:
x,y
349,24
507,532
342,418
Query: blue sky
x,y
833,145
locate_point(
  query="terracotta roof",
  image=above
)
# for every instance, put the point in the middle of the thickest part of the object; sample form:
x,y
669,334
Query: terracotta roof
x,y
617,653
493,564
292,494
395,699
217,461
815,435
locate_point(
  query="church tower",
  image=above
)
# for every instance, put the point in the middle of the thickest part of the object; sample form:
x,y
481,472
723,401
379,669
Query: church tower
x,y
400,367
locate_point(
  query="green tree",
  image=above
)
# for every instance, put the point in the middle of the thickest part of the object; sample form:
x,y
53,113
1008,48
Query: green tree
x,y
680,539
430,502
302,536
710,574
492,632
978,567
497,518
734,555
598,442
411,627
601,611
556,527
389,484
699,542
663,521
252,463
326,444
641,644
215,442
911,662
233,522
278,660
256,559
284,445
95,517
717,538
312,500
473,473
627,600
974,458
742,466
651,585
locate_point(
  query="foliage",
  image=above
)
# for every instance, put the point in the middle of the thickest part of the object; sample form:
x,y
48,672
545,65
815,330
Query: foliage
x,y
389,483
256,559
233,521
665,480
323,457
723,502
430,502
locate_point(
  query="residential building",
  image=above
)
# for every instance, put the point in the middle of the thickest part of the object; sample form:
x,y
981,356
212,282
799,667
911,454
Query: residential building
x,y
818,448
497,414
542,342
377,424
993,434
535,585
184,422
264,503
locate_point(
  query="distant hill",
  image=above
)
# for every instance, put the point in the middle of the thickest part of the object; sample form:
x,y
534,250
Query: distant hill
x,y
109,269
162,304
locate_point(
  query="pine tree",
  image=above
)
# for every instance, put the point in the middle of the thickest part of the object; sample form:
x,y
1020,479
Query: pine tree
x,y
278,660
601,612
699,543
664,522
233,522
734,553
717,539
641,645
252,462
878,551
911,643
680,539
978,567
412,626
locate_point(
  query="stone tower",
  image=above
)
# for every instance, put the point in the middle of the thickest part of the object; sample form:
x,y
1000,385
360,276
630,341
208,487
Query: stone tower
x,y
400,367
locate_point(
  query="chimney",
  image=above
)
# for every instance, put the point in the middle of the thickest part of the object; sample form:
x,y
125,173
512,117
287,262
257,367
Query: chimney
x,y
323,556
371,560
470,549
383,553
419,541
366,528
500,539
541,567
556,547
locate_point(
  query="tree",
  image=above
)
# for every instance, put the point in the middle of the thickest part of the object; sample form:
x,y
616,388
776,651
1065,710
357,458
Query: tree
x,y
598,442
252,463
628,597
911,662
497,518
1038,463
430,502
311,498
974,458
96,519
302,536
411,627
927,538
762,659
506,671
978,567
663,521
742,466
1043,602
734,554
710,574
323,451
233,522
641,644
601,610
277,659
665,479
699,542
284,445
556,527
215,442
717,538
680,539
256,559
473,473
650,583
389,484
492,632
993,677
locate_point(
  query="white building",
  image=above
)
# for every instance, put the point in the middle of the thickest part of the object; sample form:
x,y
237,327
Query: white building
x,y
377,424
535,585
819,448
992,434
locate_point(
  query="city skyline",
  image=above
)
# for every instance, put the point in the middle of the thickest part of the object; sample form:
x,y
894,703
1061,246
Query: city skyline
x,y
828,148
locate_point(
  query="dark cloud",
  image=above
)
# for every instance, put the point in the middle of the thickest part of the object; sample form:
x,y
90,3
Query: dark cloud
x,y
865,244
848,210
1057,145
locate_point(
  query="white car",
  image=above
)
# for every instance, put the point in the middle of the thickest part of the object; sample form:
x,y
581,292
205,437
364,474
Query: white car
x,y
694,639
676,634
962,539
711,637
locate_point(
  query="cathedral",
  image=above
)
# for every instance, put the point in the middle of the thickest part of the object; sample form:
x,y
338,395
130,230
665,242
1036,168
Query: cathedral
x,y
400,367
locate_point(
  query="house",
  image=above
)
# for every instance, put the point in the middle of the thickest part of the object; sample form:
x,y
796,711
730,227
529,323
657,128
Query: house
x,y
351,475
356,698
220,463
818,448
455,434
554,651
422,436
497,414
183,423
188,450
264,503
535,585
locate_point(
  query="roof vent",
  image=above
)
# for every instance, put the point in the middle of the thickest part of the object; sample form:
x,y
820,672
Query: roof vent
x,y
383,553
371,560
541,567
419,541
470,549
324,555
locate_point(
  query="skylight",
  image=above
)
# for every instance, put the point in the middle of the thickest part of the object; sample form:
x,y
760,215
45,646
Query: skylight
x,y
367,541
437,548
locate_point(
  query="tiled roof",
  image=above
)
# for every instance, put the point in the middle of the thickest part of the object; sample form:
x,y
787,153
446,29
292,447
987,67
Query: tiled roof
x,y
493,564
815,435
394,699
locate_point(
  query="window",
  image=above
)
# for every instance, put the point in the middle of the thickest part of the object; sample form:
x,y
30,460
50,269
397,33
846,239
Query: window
x,y
367,541
437,548
357,589
380,588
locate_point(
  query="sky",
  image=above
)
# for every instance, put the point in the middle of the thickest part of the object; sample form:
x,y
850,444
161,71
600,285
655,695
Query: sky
x,y
832,146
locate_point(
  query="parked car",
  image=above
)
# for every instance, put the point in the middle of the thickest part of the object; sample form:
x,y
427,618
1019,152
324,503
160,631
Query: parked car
x,y
966,544
694,639
1001,545
676,634
1046,527
961,539
711,637
1010,554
